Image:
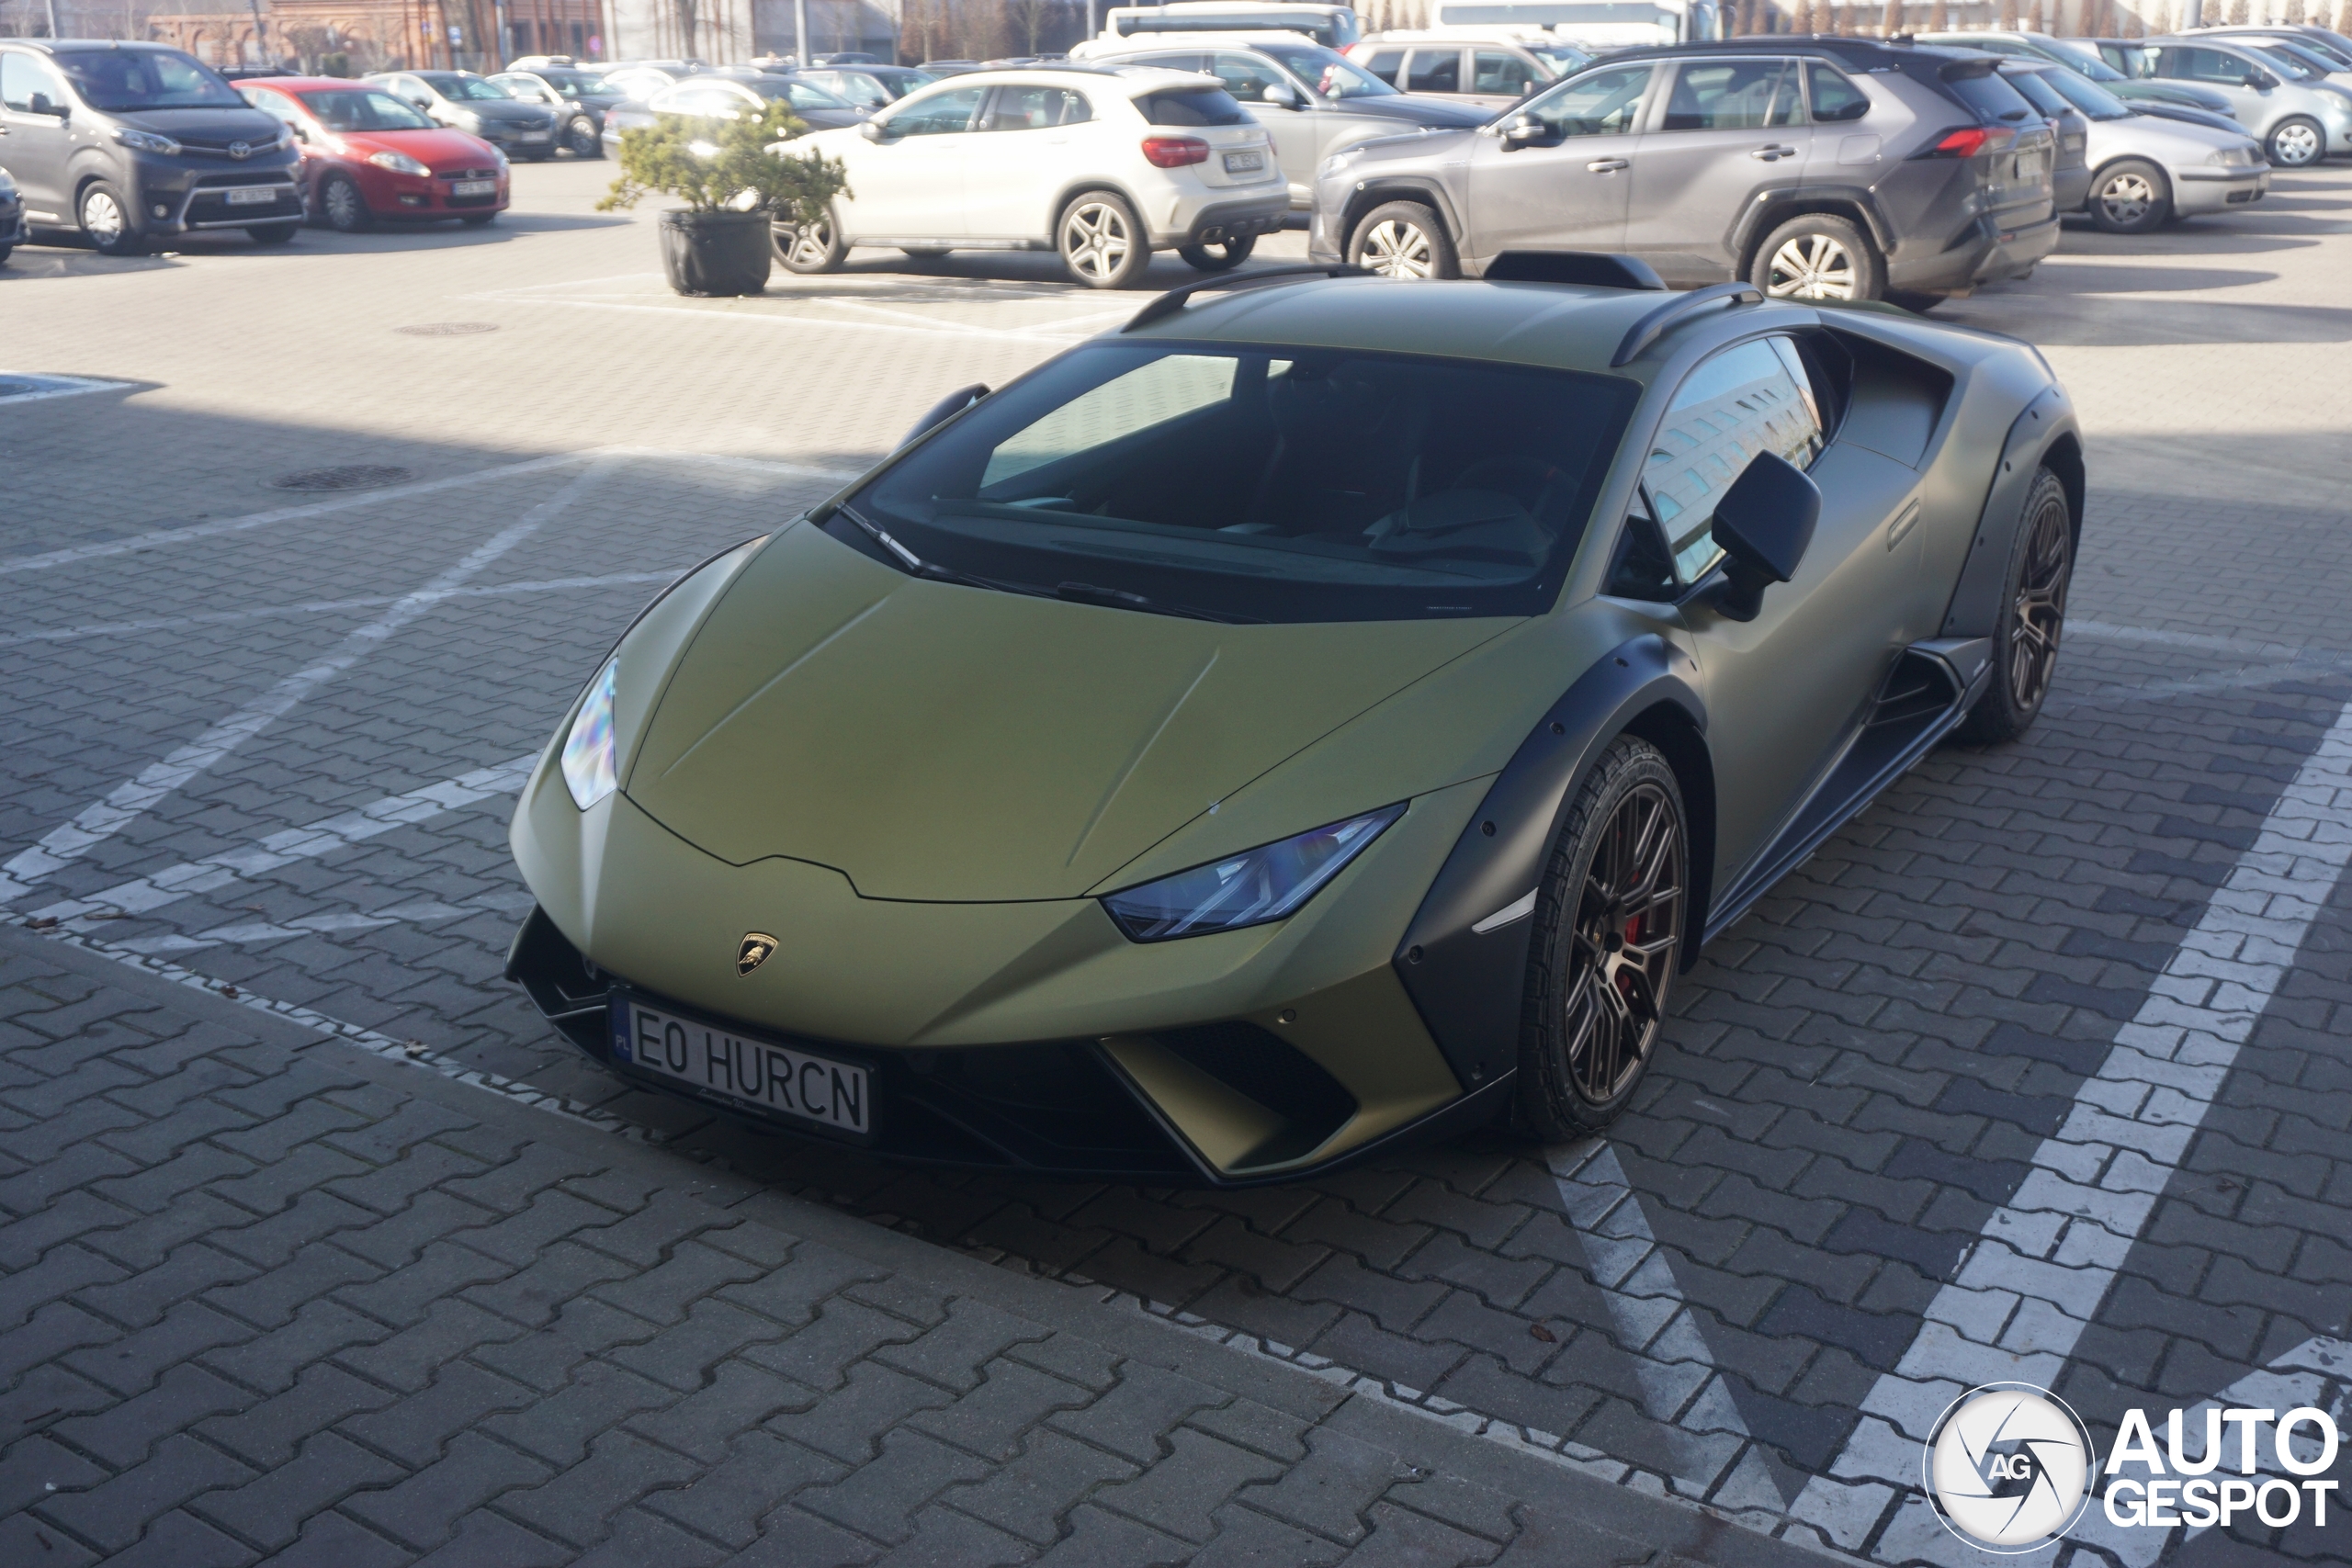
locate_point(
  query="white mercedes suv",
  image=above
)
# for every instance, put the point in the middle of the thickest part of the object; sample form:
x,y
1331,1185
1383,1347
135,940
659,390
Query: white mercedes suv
x,y
1103,164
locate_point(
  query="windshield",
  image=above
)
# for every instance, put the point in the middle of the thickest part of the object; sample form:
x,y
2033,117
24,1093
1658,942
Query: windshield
x,y
1560,57
573,85
356,109
2311,59
1262,484
1333,74
2096,70
474,87
2087,96
2284,62
114,79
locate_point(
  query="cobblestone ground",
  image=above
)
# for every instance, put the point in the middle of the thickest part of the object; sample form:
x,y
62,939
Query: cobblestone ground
x,y
316,1241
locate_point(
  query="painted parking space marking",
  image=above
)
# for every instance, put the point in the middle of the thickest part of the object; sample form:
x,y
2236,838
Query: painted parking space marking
x,y
22,386
2035,1278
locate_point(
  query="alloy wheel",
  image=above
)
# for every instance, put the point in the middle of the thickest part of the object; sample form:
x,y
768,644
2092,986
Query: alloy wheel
x,y
1628,931
2125,199
103,219
344,209
1096,240
2296,145
1395,248
2040,610
1812,267
811,244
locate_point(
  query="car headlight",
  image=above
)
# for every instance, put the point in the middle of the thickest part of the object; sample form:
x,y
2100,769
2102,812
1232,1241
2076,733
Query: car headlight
x,y
588,770
399,163
1269,883
146,141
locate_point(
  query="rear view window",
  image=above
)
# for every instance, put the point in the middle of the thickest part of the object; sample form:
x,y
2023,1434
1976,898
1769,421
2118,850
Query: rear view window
x,y
1995,101
2037,91
1192,105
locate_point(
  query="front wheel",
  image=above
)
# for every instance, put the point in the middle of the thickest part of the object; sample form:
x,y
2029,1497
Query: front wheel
x,y
1404,238
1222,258
2131,196
807,248
582,137
1102,241
1818,256
106,222
2033,618
2296,142
1608,937
342,205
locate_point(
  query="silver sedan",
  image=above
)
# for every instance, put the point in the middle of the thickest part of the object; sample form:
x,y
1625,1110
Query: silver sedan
x,y
2146,171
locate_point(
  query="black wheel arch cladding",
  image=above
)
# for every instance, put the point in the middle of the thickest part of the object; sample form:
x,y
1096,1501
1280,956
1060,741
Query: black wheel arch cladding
x,y
1469,986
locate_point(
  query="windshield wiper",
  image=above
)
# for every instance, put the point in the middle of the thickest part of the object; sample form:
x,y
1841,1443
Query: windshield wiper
x,y
1120,598
916,565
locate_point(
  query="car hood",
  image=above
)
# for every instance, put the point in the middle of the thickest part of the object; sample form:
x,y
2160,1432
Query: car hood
x,y
213,125
1412,109
515,113
2167,140
941,743
440,150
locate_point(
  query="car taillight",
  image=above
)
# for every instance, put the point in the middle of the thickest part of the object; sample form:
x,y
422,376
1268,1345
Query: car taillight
x,y
1961,143
1175,152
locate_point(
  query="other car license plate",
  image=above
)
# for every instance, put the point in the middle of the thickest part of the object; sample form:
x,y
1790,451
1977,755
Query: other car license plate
x,y
251,196
1244,163
473,187
784,1080
535,135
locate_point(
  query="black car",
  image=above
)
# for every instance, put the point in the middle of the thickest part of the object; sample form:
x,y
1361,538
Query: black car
x,y
1815,168
464,101
132,142
12,215
578,99
869,86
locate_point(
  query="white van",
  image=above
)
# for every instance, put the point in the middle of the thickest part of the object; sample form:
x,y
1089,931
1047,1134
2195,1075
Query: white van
x,y
1591,25
1333,26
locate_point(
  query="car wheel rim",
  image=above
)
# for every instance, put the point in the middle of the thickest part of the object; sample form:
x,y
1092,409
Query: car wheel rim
x,y
1397,249
1096,240
2126,198
583,137
811,244
102,217
1810,267
1628,928
343,205
2039,615
2297,145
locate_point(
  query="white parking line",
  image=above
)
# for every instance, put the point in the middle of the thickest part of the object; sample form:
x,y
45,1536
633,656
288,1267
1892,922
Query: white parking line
x,y
47,387
127,801
2036,1276
256,933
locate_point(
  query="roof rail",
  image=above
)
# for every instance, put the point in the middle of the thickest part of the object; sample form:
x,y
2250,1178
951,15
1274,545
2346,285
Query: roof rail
x,y
1651,327
1176,299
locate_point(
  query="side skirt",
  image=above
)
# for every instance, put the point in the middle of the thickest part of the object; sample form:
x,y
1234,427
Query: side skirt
x,y
1924,697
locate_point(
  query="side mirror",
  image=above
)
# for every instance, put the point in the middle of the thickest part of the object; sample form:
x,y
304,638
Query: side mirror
x,y
876,130
301,132
945,408
2260,81
1283,96
1521,130
1764,522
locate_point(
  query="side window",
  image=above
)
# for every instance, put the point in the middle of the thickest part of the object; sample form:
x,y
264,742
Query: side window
x,y
943,114
1834,98
22,78
1434,71
2207,65
1384,63
274,104
1245,78
1495,71
1731,95
1599,103
1755,397
1034,108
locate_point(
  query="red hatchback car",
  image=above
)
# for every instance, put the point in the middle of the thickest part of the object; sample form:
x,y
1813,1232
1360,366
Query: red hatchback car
x,y
367,155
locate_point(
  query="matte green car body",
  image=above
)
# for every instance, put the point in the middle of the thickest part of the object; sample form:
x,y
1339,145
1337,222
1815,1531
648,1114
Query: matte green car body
x,y
922,789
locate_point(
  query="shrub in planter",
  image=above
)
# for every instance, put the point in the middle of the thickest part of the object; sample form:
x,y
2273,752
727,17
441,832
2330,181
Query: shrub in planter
x,y
737,175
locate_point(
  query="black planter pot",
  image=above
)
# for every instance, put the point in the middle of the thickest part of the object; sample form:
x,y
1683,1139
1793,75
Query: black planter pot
x,y
715,252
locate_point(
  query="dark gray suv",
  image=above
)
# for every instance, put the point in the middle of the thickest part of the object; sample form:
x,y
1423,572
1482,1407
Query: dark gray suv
x,y
1814,167
132,142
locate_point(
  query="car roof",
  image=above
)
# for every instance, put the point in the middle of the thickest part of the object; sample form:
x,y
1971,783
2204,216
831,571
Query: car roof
x,y
306,83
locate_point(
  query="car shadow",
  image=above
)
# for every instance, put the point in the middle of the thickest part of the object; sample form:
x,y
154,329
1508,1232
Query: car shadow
x,y
2090,277
1032,268
76,257
2078,321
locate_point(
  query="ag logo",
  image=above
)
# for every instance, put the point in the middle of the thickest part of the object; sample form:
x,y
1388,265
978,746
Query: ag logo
x,y
754,952
2008,1467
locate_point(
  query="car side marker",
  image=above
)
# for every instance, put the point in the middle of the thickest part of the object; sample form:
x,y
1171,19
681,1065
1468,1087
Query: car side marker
x,y
1518,908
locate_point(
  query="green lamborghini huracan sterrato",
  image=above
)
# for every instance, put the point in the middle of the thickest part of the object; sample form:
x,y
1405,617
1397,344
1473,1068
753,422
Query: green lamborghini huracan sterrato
x,y
1324,712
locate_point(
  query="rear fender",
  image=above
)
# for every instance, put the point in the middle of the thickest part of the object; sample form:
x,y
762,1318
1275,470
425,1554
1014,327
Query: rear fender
x,y
1464,958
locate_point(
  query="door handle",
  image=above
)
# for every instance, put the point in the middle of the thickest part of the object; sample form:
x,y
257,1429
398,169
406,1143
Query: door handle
x,y
1772,154
1609,165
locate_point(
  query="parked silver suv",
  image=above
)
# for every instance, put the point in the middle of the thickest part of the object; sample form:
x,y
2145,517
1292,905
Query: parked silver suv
x,y
1814,167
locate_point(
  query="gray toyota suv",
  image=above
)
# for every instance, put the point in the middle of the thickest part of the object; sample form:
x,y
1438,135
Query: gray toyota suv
x,y
1814,167
132,142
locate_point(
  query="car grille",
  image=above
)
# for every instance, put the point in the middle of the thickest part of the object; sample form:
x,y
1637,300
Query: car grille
x,y
219,148
244,177
489,201
464,174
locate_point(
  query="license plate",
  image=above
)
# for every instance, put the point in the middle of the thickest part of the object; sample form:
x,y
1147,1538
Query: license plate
x,y
474,187
251,196
1244,163
780,1080
535,135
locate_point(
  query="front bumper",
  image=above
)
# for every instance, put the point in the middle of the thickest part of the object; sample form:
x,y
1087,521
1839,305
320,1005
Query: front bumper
x,y
2198,190
1229,220
390,194
1986,253
179,199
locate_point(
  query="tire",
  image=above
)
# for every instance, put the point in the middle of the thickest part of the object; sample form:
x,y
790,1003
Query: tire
x,y
1818,255
1102,241
2296,142
1405,239
809,249
273,233
1222,258
476,219
2033,618
107,221
583,139
2130,195
342,207
1616,885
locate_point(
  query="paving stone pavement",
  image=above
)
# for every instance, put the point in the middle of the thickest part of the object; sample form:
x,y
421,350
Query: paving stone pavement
x,y
428,1304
